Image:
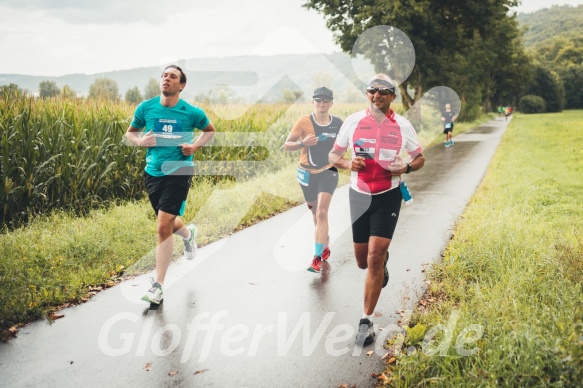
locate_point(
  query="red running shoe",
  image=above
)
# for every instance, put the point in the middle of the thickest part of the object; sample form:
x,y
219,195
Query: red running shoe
x,y
316,265
326,254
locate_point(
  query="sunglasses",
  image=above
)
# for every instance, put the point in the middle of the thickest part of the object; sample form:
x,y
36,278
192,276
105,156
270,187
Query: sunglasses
x,y
382,91
324,100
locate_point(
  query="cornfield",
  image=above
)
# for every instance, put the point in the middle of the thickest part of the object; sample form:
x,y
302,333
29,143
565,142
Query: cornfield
x,y
63,154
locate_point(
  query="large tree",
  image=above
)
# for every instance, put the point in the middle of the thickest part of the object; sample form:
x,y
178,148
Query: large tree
x,y
48,89
572,77
134,96
506,67
67,92
104,88
453,39
548,85
10,90
565,57
152,89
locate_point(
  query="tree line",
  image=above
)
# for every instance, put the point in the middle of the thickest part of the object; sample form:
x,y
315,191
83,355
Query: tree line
x,y
474,47
554,39
103,88
477,48
108,89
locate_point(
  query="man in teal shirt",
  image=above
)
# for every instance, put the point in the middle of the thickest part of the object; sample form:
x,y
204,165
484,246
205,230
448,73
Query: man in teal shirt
x,y
165,126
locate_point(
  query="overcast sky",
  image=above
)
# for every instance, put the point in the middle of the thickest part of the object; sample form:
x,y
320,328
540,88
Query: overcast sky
x,y
58,37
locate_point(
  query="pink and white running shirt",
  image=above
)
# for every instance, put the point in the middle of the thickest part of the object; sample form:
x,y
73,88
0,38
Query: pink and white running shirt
x,y
379,144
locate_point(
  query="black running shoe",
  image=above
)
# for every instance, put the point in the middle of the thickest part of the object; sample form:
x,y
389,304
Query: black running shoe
x,y
366,333
386,278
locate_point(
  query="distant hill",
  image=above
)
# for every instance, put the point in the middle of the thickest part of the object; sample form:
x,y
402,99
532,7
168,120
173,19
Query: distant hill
x,y
552,23
249,77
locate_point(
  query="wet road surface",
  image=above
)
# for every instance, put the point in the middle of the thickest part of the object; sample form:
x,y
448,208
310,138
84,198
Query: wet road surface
x,y
246,312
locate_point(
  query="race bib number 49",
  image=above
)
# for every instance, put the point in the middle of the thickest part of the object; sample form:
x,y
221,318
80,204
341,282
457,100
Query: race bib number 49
x,y
167,129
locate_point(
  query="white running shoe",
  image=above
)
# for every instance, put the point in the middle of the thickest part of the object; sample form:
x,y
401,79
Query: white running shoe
x,y
190,248
154,294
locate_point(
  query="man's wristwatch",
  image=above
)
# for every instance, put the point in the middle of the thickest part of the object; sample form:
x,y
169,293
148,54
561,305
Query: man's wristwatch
x,y
301,144
408,168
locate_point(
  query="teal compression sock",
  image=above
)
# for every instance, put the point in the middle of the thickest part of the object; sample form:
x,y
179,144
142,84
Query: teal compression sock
x,y
320,249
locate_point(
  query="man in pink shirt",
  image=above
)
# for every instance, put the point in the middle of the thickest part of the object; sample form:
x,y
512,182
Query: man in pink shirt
x,y
376,137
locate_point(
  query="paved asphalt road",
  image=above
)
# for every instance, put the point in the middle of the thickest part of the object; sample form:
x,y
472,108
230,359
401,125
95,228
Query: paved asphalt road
x,y
246,312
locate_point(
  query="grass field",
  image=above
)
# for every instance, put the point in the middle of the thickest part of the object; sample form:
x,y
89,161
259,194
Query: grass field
x,y
512,275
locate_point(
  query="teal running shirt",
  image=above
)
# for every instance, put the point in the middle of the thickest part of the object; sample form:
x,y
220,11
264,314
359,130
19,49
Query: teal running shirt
x,y
172,127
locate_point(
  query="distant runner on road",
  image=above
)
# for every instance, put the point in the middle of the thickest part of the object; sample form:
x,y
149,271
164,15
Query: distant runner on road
x,y
314,136
169,123
376,137
447,118
507,111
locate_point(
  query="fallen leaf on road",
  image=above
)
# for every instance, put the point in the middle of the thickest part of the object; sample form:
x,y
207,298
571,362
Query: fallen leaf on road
x,y
13,330
95,288
200,371
383,377
391,360
377,315
385,356
56,316
172,373
370,353
148,367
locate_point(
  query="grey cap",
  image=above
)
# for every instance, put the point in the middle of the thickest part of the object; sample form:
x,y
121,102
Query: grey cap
x,y
383,82
323,92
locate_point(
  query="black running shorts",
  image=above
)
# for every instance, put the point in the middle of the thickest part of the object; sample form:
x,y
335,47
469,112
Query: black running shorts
x,y
168,193
374,215
324,182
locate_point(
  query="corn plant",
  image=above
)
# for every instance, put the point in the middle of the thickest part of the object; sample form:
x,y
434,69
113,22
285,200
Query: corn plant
x,y
63,154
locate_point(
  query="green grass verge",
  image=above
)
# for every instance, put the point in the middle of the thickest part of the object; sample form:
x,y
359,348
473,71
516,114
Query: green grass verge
x,y
514,269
